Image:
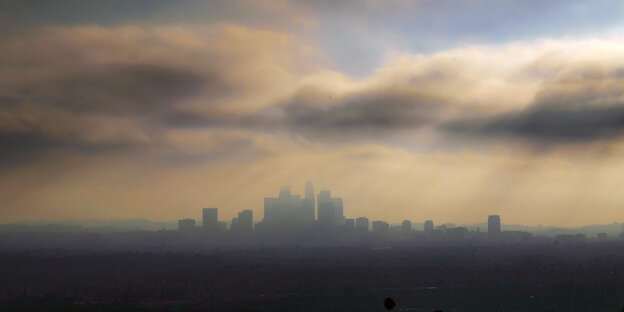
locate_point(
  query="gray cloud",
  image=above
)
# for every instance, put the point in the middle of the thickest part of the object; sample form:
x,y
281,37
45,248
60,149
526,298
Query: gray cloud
x,y
75,111
582,105
547,125
363,115
318,115
114,88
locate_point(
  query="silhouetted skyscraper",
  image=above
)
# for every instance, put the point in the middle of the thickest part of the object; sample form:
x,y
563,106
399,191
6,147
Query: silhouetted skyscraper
x,y
245,221
350,224
186,225
338,211
361,225
330,209
234,226
210,221
494,225
308,207
380,227
283,211
406,227
428,226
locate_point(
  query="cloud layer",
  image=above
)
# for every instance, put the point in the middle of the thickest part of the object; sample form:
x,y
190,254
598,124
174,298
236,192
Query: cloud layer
x,y
160,117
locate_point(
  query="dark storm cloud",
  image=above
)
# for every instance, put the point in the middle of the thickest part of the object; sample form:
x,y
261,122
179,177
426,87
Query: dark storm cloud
x,y
114,88
548,125
319,116
361,115
20,148
58,113
581,105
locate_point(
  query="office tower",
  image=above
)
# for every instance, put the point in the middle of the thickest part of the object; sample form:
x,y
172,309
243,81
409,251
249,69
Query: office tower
x,y
338,218
350,224
221,226
406,227
186,225
428,226
308,207
210,220
361,225
325,209
494,225
324,196
330,209
380,227
245,221
283,211
234,226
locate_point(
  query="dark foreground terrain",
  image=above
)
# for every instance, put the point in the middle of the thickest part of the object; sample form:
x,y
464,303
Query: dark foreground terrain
x,y
534,277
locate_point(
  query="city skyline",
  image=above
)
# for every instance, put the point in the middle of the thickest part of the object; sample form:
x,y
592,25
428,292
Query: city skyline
x,y
450,110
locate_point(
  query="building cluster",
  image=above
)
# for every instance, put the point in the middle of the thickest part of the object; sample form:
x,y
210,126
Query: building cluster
x,y
322,212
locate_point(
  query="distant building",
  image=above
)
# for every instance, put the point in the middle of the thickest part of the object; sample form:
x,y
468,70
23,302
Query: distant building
x,y
210,221
221,226
380,227
428,226
245,221
406,227
494,225
234,226
186,225
361,225
308,205
283,211
330,209
602,236
350,224
457,233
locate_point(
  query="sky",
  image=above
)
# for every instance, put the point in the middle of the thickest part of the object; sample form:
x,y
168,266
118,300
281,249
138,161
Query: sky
x,y
407,109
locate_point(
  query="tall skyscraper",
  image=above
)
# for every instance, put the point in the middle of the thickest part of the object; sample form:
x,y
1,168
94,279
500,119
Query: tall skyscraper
x,y
361,225
428,226
234,226
330,209
338,211
380,227
308,207
186,225
350,224
494,225
245,221
283,211
210,221
406,227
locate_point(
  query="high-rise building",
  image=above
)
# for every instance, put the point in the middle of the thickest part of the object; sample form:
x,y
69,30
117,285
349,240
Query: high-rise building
x,y
283,211
494,225
338,211
380,227
330,209
245,221
406,226
210,221
234,226
186,225
350,224
308,207
361,225
428,226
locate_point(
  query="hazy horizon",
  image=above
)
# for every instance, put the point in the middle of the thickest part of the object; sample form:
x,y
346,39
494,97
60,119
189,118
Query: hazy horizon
x,y
417,110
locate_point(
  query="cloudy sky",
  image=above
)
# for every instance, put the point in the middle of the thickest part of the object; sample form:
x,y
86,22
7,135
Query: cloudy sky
x,y
443,110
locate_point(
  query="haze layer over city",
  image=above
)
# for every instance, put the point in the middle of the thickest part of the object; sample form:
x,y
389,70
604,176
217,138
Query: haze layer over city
x,y
416,155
